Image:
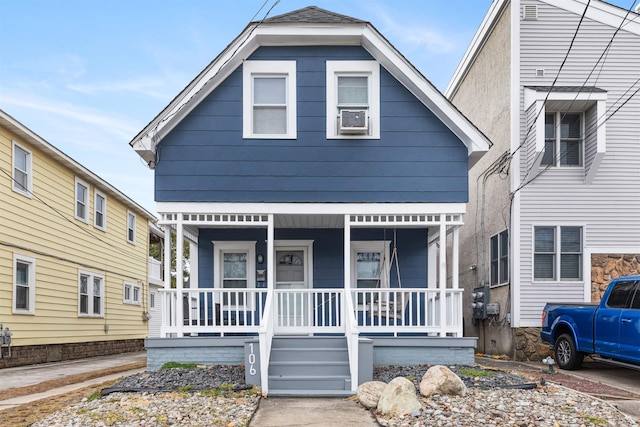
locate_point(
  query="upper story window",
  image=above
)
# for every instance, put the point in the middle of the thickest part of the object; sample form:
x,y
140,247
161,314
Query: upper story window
x,y
563,140
500,258
565,128
21,170
557,253
24,284
353,99
269,99
100,211
131,227
90,294
82,200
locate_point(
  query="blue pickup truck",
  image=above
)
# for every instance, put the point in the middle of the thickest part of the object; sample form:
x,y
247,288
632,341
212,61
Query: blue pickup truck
x,y
608,331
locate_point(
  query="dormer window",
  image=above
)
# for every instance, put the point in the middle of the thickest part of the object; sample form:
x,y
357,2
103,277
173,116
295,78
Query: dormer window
x,y
566,128
353,99
269,98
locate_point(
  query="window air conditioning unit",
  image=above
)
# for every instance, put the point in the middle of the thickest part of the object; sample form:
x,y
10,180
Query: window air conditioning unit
x,y
354,122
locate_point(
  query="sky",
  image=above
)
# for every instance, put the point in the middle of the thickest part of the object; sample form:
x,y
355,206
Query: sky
x,y
88,75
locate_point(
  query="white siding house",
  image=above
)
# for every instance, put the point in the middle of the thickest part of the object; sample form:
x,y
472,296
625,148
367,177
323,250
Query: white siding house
x,y
563,176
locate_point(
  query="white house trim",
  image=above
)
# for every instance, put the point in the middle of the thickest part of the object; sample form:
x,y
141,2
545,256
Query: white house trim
x,y
516,232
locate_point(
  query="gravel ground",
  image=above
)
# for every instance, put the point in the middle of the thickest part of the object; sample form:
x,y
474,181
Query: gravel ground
x,y
491,400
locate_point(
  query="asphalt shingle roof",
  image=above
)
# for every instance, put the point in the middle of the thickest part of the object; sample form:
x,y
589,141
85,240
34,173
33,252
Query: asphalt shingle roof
x,y
315,15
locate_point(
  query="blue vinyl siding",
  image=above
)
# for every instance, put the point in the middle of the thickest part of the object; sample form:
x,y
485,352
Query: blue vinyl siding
x,y
328,255
416,159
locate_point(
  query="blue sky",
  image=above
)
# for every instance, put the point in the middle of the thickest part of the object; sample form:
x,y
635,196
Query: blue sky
x,y
87,76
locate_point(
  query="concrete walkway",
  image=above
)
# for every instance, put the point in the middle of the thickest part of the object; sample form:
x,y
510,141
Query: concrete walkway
x,y
312,412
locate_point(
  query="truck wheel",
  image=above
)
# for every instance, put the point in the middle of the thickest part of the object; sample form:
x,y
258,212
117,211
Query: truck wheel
x,y
566,355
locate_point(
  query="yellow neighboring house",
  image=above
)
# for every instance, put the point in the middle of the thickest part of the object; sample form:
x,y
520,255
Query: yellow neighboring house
x,y
73,256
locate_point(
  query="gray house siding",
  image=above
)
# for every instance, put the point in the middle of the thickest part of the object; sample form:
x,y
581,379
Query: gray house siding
x,y
484,98
608,208
416,159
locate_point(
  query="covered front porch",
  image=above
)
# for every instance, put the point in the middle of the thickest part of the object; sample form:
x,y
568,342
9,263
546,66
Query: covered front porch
x,y
312,274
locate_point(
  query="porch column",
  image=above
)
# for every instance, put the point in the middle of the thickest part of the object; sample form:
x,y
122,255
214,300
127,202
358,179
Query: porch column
x,y
179,278
432,261
347,253
271,264
455,252
167,256
442,280
193,265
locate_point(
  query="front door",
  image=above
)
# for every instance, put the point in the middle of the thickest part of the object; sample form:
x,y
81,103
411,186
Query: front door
x,y
294,307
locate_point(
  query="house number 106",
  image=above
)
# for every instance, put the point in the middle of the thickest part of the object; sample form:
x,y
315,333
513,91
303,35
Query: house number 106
x,y
252,360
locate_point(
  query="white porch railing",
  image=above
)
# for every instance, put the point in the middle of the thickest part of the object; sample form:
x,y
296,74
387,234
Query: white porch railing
x,y
213,311
155,270
309,311
396,310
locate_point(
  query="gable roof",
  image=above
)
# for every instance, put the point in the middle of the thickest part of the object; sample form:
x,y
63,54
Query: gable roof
x,y
599,11
41,144
310,26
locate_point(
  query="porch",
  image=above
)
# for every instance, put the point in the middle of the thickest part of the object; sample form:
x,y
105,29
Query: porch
x,y
247,318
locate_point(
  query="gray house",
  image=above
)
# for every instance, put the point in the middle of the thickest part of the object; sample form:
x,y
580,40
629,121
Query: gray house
x,y
553,207
319,175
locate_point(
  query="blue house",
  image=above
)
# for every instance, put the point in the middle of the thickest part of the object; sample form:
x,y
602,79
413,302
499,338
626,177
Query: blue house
x,y
318,175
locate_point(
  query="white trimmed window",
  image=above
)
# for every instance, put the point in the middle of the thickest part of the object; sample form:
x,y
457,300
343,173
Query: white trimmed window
x,y
563,139
24,284
90,294
565,129
131,227
353,99
269,99
131,293
22,182
557,253
369,265
500,258
235,268
82,200
100,211
152,299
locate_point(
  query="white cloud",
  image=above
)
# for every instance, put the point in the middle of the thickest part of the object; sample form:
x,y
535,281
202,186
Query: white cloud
x,y
153,87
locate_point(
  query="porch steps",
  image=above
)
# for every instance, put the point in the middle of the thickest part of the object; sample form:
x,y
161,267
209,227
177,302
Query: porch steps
x,y
309,366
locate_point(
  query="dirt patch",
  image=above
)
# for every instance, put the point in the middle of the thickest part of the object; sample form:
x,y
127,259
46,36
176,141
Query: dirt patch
x,y
10,393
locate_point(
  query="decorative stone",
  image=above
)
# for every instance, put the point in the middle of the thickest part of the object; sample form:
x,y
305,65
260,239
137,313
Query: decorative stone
x,y
441,380
399,398
369,393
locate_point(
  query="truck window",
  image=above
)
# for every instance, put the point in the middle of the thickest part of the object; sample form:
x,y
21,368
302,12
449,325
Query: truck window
x,y
620,296
636,299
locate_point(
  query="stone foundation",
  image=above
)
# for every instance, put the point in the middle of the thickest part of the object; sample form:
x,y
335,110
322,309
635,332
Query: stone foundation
x,y
34,354
604,268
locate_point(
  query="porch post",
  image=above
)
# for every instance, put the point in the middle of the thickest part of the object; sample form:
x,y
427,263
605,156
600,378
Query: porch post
x,y
271,265
455,249
347,256
167,257
179,278
442,280
193,265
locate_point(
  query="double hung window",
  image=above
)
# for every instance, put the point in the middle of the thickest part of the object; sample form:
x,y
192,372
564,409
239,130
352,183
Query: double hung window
x,y
21,170
500,258
370,269
100,211
90,294
131,228
24,284
563,136
269,99
236,265
82,200
353,99
131,293
557,253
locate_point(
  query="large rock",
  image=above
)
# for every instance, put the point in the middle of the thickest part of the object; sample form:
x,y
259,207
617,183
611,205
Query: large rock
x,y
441,380
399,398
369,393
